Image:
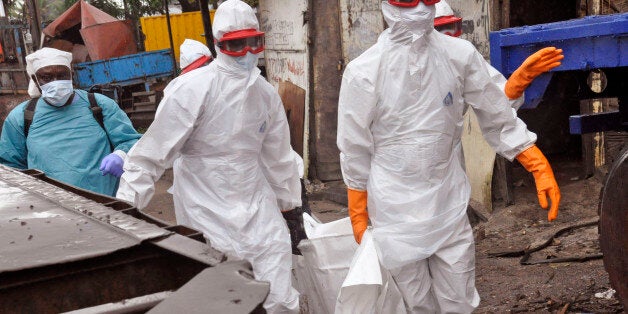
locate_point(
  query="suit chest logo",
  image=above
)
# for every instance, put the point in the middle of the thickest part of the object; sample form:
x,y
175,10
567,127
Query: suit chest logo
x,y
449,100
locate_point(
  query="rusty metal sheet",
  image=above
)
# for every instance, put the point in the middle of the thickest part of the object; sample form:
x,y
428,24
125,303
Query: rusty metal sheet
x,y
79,13
614,226
42,224
226,288
109,40
104,36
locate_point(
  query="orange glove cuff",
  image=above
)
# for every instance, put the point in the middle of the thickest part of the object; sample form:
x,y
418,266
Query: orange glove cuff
x,y
357,212
533,160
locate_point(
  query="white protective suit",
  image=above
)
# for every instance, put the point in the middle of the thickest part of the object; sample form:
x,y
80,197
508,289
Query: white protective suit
x,y
400,120
226,127
443,9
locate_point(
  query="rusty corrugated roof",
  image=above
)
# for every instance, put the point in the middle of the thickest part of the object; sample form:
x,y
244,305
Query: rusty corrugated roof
x,y
41,224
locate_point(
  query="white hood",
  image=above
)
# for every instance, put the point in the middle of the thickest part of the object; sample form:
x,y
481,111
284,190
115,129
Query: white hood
x,y
233,15
409,23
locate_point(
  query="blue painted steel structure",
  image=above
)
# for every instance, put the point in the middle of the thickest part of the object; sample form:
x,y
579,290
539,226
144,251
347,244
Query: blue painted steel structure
x,y
593,42
126,70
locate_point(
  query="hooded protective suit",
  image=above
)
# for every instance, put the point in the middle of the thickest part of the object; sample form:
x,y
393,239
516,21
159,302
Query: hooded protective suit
x,y
226,127
400,120
444,10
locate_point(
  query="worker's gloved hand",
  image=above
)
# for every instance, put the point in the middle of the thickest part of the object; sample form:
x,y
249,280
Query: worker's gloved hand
x,y
536,64
112,164
294,219
357,212
533,160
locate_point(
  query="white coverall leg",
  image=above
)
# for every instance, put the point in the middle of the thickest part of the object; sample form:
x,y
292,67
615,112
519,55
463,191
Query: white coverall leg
x,y
400,118
234,171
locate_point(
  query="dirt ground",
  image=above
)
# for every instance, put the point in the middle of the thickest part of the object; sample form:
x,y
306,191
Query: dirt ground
x,y
504,285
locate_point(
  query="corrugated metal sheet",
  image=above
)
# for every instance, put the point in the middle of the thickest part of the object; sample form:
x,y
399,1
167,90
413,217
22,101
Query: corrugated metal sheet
x,y
184,25
43,224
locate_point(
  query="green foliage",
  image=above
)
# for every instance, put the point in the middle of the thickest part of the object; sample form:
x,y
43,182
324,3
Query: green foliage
x,y
253,3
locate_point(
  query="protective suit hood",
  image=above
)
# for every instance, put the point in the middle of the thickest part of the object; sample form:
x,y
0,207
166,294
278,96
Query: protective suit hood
x,y
234,15
231,16
409,23
443,9
191,50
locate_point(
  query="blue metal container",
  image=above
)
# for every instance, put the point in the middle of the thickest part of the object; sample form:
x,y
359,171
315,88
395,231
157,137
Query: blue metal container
x,y
593,42
126,70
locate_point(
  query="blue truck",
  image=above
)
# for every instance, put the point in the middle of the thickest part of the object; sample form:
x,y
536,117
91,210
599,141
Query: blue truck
x,y
134,81
595,48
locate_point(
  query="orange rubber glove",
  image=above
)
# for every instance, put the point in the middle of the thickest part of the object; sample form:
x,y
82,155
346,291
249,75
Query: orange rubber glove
x,y
536,64
357,212
533,160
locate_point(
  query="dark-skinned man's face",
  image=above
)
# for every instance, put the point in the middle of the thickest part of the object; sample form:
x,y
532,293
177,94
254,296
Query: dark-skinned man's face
x,y
51,73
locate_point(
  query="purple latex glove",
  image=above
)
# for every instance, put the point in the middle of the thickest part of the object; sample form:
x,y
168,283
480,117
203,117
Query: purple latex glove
x,y
112,164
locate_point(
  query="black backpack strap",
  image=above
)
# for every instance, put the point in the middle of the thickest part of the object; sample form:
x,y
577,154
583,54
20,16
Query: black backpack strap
x,y
97,112
29,113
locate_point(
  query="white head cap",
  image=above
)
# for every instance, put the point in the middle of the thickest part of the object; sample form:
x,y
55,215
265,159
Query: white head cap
x,y
190,51
42,58
233,15
443,9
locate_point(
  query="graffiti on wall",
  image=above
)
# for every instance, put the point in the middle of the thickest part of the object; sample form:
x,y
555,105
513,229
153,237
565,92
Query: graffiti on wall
x,y
283,22
286,66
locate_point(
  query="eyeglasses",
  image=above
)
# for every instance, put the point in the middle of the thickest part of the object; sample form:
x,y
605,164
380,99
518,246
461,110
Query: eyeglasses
x,y
411,3
449,25
238,43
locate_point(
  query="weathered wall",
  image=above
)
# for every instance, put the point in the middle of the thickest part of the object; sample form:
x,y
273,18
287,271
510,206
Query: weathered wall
x,y
287,62
286,54
362,22
475,22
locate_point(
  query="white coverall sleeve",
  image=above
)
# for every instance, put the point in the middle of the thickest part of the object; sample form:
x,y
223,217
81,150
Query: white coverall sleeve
x,y
278,163
500,80
157,148
356,107
506,133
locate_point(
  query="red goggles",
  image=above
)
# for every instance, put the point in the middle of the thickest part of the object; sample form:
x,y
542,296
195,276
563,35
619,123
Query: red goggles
x,y
449,25
411,3
238,43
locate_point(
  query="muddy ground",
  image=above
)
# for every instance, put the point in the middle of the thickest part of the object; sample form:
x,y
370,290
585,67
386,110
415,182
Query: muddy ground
x,y
504,285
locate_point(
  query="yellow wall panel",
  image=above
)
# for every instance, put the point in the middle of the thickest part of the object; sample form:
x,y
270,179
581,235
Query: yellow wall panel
x,y
184,25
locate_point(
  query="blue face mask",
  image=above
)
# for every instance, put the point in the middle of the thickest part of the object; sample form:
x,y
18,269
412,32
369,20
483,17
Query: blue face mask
x,y
248,61
57,93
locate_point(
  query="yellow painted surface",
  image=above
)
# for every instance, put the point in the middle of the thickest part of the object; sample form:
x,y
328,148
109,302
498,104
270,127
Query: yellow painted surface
x,y
479,160
184,25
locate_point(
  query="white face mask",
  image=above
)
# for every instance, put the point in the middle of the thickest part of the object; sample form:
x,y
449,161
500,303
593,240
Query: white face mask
x,y
57,93
248,61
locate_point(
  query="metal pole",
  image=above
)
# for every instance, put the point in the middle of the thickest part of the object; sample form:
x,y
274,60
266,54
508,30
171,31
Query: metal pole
x,y
35,23
207,26
174,59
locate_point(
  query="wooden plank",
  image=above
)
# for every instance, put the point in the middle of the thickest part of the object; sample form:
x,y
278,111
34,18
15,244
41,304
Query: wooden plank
x,y
326,65
503,182
293,98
